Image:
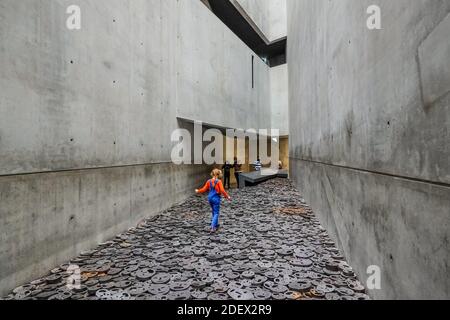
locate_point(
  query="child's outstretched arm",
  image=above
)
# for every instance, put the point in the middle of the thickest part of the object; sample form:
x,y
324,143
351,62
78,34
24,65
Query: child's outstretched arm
x,y
223,192
204,189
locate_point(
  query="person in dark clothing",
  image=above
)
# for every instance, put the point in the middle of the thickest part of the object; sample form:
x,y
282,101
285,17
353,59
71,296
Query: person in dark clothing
x,y
237,170
227,175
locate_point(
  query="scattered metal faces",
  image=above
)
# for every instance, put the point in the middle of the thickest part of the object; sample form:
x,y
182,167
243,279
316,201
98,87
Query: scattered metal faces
x,y
270,246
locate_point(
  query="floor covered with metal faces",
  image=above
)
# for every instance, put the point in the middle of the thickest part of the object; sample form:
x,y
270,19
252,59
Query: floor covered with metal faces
x,y
270,247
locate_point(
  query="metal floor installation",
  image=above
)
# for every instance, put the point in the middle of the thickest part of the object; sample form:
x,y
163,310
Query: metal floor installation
x,y
270,247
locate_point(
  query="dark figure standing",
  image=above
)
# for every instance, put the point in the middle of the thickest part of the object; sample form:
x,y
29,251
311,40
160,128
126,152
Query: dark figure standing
x,y
237,170
227,175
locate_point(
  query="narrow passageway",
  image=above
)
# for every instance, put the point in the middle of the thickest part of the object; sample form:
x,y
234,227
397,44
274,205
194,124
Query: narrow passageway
x,y
270,246
113,111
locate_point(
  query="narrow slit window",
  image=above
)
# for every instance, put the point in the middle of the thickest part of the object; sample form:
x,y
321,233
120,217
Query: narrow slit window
x,y
253,72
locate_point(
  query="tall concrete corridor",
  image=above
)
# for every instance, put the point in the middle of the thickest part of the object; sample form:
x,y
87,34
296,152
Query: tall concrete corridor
x,y
92,92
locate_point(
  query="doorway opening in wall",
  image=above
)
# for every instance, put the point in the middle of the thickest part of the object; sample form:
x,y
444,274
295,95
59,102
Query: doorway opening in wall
x,y
248,161
240,147
284,153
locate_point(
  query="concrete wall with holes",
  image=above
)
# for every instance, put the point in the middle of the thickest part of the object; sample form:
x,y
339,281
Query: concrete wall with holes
x,y
269,15
369,119
86,118
109,94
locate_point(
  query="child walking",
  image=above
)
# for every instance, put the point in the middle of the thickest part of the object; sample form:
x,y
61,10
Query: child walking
x,y
216,190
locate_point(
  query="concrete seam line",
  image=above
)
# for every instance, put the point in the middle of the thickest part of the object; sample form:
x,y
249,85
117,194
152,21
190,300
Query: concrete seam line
x,y
436,183
85,169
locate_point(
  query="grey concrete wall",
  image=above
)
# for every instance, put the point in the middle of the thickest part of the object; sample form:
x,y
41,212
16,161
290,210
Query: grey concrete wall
x,y
369,119
104,109
280,98
109,94
278,19
47,219
270,16
86,118
214,69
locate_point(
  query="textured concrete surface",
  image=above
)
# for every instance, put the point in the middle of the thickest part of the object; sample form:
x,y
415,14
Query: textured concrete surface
x,y
270,16
87,98
280,98
369,155
434,56
109,94
214,68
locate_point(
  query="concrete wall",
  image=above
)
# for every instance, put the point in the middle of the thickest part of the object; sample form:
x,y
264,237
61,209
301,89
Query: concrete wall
x,y
136,66
214,68
49,218
278,19
269,16
280,98
105,108
369,119
86,118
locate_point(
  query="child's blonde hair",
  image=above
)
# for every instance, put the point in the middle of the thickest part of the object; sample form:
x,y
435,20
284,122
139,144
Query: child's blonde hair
x,y
216,173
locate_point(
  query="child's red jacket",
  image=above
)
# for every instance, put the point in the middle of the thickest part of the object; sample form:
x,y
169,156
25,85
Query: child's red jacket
x,y
219,188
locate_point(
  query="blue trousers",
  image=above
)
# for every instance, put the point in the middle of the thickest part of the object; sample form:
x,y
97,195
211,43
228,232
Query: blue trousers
x,y
215,206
